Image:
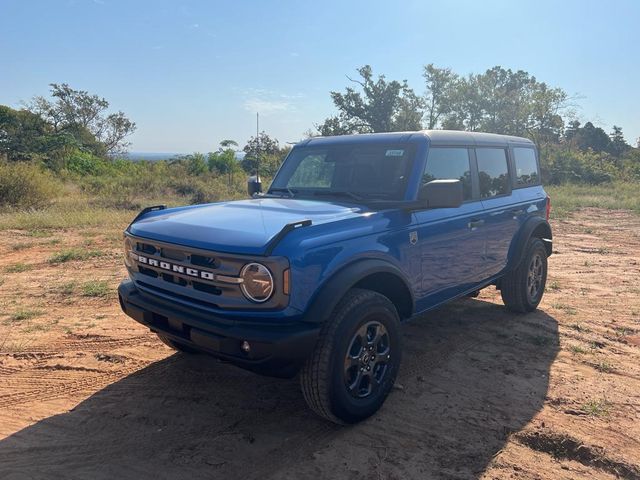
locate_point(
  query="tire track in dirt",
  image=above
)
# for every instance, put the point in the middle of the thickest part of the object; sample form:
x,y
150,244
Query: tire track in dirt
x,y
48,390
50,386
92,344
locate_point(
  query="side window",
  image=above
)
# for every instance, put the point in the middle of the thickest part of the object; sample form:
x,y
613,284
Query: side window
x,y
526,166
449,163
493,172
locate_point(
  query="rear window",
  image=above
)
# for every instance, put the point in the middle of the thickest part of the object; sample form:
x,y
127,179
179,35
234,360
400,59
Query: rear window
x,y
493,172
526,166
449,163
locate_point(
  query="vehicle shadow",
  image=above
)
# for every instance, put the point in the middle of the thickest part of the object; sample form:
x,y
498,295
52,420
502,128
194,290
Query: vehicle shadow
x,y
472,373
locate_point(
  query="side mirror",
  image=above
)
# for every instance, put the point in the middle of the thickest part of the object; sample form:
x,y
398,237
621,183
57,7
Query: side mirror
x,y
442,194
254,185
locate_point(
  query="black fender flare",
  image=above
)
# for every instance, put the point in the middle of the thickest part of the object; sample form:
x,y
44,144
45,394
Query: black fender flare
x,y
333,289
535,225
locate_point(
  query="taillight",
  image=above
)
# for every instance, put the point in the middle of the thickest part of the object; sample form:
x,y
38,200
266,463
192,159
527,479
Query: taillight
x,y
548,213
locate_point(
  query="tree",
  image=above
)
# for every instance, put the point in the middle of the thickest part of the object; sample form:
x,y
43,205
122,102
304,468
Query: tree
x,y
380,106
572,130
267,151
592,137
228,144
618,144
26,136
441,89
409,113
500,101
22,133
333,126
80,113
224,160
196,164
543,114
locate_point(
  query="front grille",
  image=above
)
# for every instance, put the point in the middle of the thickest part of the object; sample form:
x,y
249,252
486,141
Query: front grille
x,y
146,248
173,254
185,267
147,271
196,276
204,261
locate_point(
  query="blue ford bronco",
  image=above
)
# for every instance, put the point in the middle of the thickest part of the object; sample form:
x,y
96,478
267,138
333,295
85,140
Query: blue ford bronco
x,y
355,235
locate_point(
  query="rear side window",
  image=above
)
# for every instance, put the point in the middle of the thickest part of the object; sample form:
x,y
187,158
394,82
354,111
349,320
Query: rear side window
x,y
526,167
493,172
449,163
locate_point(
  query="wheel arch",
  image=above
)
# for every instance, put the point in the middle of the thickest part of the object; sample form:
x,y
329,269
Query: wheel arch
x,y
535,227
371,274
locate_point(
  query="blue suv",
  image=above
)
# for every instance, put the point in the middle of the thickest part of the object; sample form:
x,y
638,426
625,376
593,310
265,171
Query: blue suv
x,y
355,235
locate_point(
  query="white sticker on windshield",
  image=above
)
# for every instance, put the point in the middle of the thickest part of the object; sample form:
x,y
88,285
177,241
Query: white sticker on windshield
x,y
394,153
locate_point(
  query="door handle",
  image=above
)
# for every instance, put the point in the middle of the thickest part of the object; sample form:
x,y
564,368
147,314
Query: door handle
x,y
473,224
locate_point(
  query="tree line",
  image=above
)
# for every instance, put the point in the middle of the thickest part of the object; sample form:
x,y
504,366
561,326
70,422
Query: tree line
x,y
75,130
497,101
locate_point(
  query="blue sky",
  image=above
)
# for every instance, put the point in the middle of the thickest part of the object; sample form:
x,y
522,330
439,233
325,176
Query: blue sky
x,y
193,73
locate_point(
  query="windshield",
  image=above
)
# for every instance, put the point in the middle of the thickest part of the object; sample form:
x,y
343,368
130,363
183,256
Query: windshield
x,y
357,171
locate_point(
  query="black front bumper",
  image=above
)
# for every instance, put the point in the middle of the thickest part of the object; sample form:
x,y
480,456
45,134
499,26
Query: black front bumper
x,y
275,348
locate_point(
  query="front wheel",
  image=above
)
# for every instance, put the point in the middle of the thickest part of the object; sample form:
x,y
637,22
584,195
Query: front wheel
x,y
355,362
522,288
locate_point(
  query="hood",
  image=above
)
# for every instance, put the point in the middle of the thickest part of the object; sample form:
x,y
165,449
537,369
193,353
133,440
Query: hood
x,y
243,227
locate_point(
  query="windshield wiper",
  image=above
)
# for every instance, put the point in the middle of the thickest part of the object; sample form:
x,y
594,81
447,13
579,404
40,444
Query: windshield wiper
x,y
291,193
338,193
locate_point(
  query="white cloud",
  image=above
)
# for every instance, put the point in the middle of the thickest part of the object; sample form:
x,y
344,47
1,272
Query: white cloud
x,y
266,107
268,102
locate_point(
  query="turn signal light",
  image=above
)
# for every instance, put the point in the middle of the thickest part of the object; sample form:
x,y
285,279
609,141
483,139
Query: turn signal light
x,y
548,212
285,282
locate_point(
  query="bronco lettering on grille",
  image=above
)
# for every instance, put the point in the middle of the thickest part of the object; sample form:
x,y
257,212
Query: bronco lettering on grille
x,y
172,267
192,272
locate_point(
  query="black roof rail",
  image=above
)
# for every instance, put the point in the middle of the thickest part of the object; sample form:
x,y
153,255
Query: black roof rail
x,y
144,211
283,233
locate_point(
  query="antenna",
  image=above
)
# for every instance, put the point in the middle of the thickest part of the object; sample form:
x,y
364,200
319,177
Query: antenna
x,y
257,146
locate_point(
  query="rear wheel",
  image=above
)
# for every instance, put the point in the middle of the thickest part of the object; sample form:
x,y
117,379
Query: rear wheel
x,y
181,347
356,360
522,288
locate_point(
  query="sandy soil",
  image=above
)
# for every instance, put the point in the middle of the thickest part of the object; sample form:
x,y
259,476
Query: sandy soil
x,y
86,392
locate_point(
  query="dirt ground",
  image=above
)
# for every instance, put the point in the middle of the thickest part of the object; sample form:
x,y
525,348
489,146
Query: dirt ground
x,y
86,392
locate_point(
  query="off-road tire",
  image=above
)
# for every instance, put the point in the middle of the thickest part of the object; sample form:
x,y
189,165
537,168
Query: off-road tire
x,y
515,290
181,347
322,378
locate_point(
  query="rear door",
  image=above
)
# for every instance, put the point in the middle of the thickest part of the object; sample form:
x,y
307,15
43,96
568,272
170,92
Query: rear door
x,y
451,241
501,212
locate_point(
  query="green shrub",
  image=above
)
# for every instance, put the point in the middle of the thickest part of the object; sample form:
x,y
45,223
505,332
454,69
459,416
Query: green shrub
x,y
96,288
561,165
24,185
84,163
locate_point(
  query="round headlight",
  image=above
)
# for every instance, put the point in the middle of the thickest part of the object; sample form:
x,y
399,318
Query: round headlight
x,y
257,282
